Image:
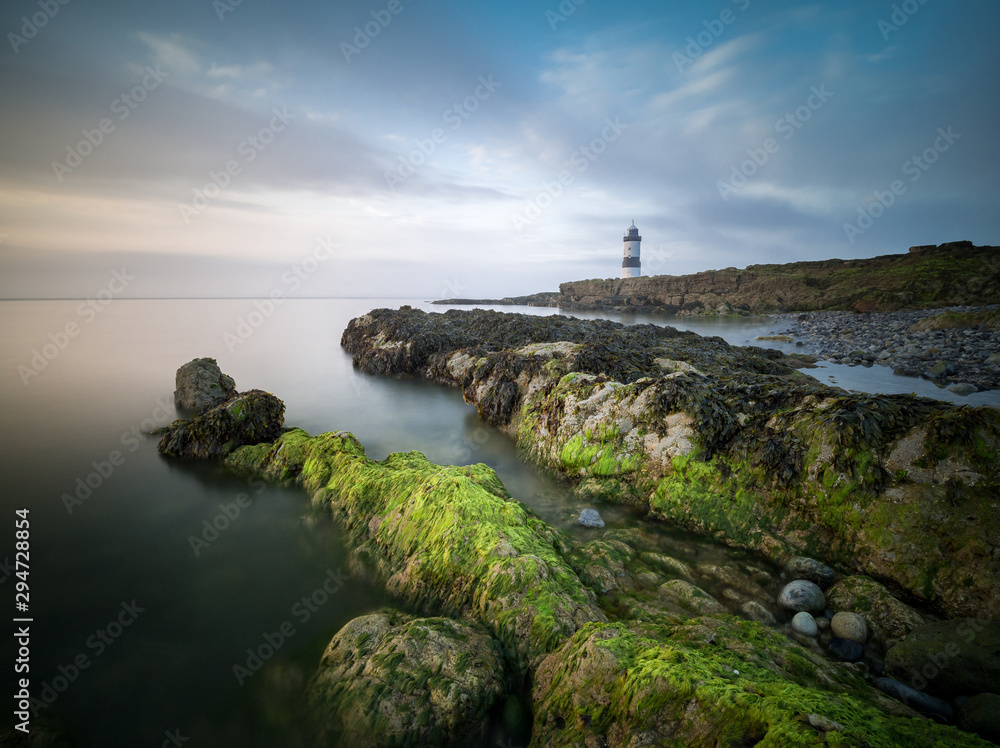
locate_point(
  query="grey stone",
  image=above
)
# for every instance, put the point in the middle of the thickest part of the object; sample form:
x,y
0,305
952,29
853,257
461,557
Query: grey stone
x,y
914,699
590,518
201,383
850,626
801,595
804,623
994,359
810,569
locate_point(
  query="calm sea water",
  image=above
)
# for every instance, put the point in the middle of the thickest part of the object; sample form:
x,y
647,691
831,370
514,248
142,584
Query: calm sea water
x,y
135,632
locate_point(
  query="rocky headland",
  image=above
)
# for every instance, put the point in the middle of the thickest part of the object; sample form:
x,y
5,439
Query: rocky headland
x,y
613,638
952,274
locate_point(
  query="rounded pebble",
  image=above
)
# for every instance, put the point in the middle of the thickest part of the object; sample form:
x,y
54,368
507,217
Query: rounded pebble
x,y
801,595
850,626
804,623
590,518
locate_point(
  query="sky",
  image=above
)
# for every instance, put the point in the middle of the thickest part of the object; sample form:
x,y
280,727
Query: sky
x,y
413,148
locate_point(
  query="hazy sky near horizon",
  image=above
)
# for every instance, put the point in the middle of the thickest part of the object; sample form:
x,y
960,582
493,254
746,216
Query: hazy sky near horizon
x,y
442,149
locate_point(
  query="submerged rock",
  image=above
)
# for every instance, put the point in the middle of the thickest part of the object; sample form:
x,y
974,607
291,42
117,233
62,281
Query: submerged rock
x,y
392,679
247,418
845,649
590,518
200,383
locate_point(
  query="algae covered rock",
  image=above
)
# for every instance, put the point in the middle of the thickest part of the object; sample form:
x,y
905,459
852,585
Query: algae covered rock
x,y
443,538
981,715
890,619
391,679
713,682
949,658
201,383
811,570
250,417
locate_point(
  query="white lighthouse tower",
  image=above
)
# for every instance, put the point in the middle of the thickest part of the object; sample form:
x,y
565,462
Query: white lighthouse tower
x,y
630,264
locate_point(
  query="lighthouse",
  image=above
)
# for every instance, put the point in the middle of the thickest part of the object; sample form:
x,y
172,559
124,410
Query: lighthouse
x,y
630,264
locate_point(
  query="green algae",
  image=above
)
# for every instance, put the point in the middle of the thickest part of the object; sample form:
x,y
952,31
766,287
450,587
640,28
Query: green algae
x,y
712,681
446,539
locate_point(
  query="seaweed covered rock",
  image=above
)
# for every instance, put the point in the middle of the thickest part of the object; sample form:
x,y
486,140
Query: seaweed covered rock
x,y
247,418
442,538
713,681
389,679
201,383
727,441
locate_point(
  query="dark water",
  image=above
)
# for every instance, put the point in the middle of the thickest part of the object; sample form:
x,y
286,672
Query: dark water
x,y
119,550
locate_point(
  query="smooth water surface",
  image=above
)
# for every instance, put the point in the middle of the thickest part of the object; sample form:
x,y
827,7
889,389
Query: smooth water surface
x,y
119,534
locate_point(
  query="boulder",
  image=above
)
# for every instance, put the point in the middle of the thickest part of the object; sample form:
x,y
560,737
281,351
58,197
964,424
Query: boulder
x,y
801,595
889,619
250,417
981,714
960,657
962,388
390,678
845,649
757,612
201,383
689,598
801,567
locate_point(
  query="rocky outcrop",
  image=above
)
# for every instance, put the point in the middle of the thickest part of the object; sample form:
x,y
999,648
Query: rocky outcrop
x,y
246,418
393,679
726,441
952,274
201,383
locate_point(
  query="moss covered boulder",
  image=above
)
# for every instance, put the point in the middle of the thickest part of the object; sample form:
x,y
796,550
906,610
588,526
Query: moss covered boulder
x,y
713,681
889,618
727,441
247,418
389,679
442,538
201,383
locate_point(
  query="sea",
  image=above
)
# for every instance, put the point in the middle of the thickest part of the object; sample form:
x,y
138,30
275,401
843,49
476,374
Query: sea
x,y
167,602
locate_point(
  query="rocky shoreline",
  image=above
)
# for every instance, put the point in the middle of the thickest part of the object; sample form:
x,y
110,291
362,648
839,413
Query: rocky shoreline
x,y
961,349
612,637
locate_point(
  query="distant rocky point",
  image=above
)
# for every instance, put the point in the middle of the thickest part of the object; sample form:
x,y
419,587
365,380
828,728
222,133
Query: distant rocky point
x,y
928,276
